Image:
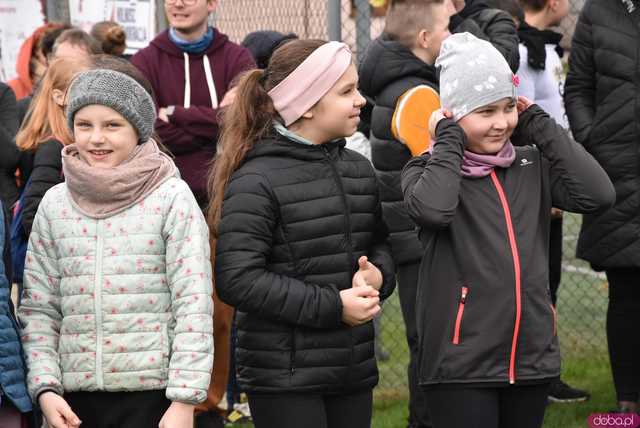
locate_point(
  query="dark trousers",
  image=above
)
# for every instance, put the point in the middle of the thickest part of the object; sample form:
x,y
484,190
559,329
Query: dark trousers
x,y
407,276
311,410
506,407
142,409
623,319
555,258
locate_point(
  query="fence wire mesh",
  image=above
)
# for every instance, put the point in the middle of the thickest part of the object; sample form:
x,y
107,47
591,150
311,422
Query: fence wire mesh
x,y
583,293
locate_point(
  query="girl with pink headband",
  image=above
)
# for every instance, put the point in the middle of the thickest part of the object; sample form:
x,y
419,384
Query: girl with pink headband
x,y
300,246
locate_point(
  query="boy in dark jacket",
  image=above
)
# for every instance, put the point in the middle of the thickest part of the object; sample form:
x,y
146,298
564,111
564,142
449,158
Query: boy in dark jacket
x,y
398,75
486,322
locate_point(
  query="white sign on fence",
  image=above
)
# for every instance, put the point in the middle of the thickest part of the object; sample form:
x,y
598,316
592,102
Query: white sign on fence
x,y
136,17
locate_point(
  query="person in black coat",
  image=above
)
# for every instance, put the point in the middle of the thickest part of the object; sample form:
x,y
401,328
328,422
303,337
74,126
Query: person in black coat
x,y
300,245
486,321
601,99
9,153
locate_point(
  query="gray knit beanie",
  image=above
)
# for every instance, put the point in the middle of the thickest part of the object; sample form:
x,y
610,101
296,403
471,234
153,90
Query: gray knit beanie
x,y
116,90
473,74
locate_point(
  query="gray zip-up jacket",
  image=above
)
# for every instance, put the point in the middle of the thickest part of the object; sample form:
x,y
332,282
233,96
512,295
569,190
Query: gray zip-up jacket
x,y
484,312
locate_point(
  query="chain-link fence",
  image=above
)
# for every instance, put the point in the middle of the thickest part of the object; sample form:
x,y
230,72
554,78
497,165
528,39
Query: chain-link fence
x,y
582,297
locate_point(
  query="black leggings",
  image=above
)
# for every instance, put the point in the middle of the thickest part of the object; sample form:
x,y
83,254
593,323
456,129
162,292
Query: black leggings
x,y
623,319
311,410
505,407
99,409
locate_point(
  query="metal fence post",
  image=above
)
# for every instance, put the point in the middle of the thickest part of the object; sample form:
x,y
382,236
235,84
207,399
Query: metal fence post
x,y
363,27
334,20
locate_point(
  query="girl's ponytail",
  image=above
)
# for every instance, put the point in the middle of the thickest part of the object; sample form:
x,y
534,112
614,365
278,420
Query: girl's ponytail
x,y
244,122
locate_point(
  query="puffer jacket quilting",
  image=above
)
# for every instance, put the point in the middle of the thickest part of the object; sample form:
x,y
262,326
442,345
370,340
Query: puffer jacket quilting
x,y
123,303
602,99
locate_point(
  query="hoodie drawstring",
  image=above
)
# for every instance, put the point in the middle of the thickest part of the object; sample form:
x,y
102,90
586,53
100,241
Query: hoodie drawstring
x,y
187,82
212,88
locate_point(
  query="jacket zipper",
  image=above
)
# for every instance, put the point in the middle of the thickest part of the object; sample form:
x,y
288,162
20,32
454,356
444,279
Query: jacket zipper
x,y
555,319
347,226
463,300
347,222
516,267
97,288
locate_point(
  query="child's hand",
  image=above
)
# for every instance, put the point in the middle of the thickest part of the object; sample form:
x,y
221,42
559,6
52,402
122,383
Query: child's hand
x,y
359,304
57,412
178,415
523,103
435,118
368,274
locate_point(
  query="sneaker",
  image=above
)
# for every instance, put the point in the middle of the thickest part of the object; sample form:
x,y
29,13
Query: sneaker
x,y
560,392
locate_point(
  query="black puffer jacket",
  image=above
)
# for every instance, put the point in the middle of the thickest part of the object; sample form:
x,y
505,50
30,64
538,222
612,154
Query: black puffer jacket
x,y
485,315
46,173
602,99
295,220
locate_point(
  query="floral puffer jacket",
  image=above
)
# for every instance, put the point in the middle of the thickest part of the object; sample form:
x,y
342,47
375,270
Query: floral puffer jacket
x,y
122,303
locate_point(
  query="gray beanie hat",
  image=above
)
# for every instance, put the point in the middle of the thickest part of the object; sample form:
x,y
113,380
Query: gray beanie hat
x,y
473,74
116,90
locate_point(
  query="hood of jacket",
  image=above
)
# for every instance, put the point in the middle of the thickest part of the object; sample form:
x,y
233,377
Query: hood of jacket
x,y
386,61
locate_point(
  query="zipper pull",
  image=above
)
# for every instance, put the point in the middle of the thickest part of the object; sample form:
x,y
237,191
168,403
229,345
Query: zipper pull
x,y
463,296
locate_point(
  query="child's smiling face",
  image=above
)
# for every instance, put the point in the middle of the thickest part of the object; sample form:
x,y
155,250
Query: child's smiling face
x,y
337,114
104,138
489,127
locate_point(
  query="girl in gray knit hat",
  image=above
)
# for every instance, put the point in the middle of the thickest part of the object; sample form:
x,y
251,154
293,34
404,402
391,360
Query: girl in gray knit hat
x,y
117,307
482,200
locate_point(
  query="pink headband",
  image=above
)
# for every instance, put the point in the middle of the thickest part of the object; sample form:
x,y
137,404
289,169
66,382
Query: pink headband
x,y
304,87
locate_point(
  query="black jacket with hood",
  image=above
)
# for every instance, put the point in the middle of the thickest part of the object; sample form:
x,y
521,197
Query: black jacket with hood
x,y
484,312
295,220
387,71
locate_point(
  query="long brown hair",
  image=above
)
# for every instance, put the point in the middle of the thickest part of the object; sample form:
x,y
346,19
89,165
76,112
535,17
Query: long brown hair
x,y
45,119
250,118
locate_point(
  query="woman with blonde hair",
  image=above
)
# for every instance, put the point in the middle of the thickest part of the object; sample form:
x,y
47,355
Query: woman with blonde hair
x,y
44,133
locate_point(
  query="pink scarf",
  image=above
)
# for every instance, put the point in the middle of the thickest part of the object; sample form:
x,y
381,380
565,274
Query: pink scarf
x,y
103,192
478,166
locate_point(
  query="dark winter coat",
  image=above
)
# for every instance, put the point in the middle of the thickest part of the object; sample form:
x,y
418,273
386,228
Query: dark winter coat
x,y
13,370
46,173
9,153
485,316
387,71
295,220
192,133
493,25
602,99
